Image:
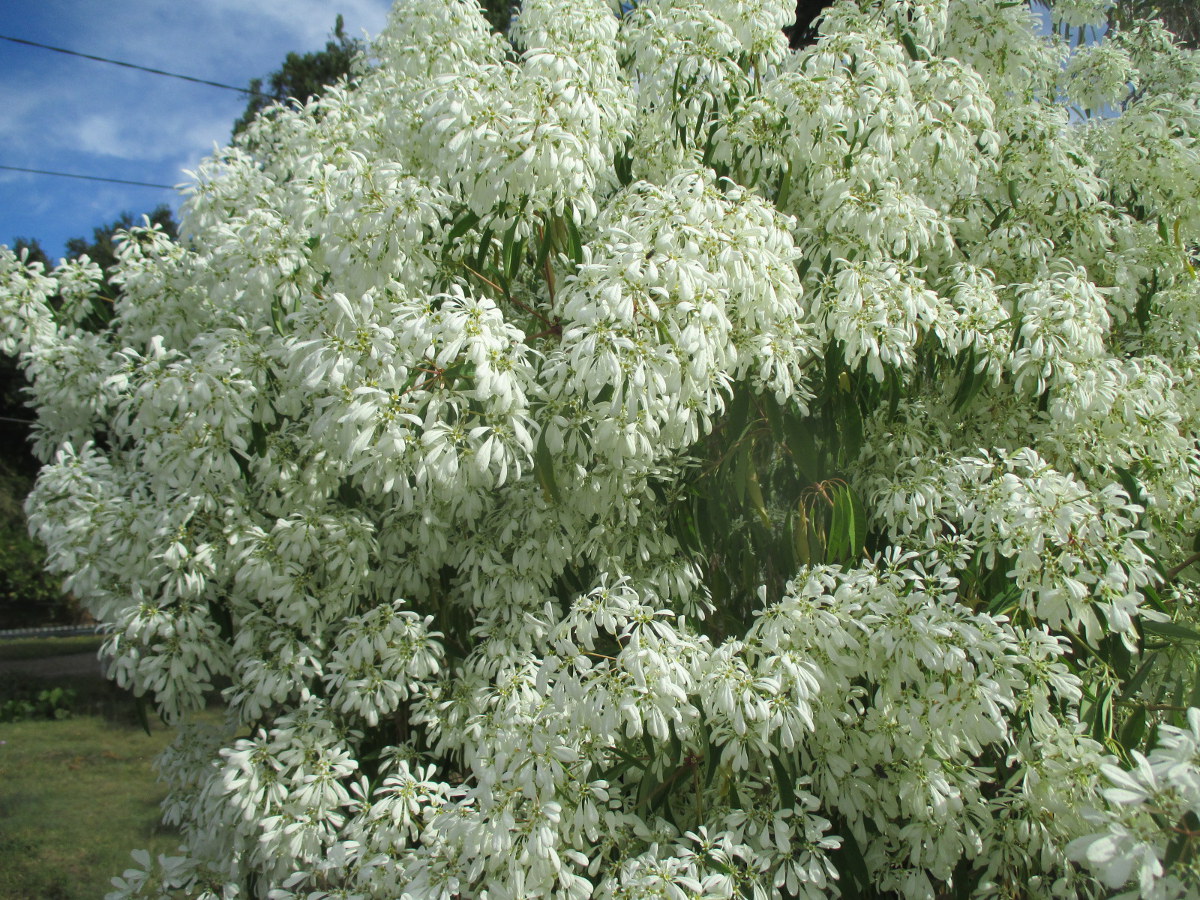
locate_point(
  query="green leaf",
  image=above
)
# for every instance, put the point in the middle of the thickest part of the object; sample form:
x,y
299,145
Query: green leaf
x,y
910,46
465,223
802,444
858,528
1131,687
485,245
1194,696
713,761
738,413
1133,487
508,249
1102,715
850,436
838,542
543,469
1187,827
800,536
278,319
785,188
140,708
850,861
970,385
544,246
1134,729
1142,311
512,263
1170,630
574,244
784,781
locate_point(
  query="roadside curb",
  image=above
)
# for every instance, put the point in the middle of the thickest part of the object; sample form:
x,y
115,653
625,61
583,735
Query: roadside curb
x,y
50,631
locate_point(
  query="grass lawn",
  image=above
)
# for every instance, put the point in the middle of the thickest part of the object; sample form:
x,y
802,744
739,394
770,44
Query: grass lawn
x,y
76,795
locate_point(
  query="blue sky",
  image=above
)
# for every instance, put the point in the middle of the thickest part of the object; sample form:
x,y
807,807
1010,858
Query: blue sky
x,y
75,115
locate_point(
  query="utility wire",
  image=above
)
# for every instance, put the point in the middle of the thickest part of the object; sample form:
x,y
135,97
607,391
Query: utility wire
x,y
169,187
117,62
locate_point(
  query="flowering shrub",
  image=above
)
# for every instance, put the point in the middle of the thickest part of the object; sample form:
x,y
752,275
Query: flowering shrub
x,y
651,462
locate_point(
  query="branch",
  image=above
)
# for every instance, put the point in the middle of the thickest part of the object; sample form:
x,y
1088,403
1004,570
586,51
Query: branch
x,y
1173,572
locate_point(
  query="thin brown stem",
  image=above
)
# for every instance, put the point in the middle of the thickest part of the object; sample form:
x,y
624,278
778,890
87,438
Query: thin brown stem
x,y
1173,572
484,279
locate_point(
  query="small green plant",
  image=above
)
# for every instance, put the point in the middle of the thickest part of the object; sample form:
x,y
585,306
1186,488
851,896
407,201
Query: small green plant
x,y
51,703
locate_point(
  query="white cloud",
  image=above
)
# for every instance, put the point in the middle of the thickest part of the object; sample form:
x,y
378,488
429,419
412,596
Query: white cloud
x,y
81,116
309,22
104,135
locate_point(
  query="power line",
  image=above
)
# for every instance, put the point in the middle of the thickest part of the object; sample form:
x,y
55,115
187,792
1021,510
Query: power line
x,y
117,62
169,187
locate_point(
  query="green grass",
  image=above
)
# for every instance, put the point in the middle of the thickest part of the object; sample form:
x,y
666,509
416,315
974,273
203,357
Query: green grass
x,y
40,648
75,797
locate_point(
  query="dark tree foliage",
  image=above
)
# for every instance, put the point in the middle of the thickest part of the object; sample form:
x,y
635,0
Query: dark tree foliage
x,y
303,75
1182,17
28,595
32,247
804,31
101,249
499,13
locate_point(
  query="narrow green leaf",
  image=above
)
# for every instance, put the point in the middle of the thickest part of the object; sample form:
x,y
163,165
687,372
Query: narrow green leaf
x,y
858,529
851,434
802,444
544,246
575,248
850,861
485,245
741,473
512,265
713,761
837,545
1170,630
543,469
1132,686
507,245
784,781
465,223
1134,729
277,316
140,708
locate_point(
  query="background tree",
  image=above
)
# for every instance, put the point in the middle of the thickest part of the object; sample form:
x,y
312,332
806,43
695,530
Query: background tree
x,y
1182,17
32,247
804,30
102,248
29,596
302,75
